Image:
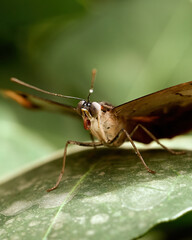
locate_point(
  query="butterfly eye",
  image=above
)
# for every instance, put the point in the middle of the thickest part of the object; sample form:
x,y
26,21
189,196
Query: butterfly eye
x,y
94,109
79,106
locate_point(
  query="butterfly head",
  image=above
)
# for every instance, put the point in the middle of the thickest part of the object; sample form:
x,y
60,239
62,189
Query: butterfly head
x,y
89,112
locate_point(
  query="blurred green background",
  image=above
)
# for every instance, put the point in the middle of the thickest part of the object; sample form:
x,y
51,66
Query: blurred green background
x,y
138,47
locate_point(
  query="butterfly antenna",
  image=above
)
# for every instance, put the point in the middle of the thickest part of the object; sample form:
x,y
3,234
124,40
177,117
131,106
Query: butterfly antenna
x,y
41,90
94,71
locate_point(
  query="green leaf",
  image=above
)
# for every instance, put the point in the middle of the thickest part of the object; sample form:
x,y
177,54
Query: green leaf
x,y
104,194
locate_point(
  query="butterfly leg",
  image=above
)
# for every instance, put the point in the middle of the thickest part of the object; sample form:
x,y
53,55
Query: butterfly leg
x,y
155,139
137,151
92,140
134,147
85,144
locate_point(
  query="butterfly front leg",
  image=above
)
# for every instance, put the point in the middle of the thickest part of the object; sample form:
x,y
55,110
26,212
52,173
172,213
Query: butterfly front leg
x,y
154,138
85,144
92,140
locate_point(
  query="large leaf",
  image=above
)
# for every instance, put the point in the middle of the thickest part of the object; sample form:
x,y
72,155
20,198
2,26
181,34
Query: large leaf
x,y
104,194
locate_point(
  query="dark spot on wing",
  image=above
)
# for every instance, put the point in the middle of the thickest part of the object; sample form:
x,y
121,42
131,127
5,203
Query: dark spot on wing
x,y
180,94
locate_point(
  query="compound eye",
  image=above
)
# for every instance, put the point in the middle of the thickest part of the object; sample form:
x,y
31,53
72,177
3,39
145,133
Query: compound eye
x,y
79,106
95,109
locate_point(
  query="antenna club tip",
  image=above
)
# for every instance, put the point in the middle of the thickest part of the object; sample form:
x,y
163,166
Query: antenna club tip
x,y
94,70
13,79
91,90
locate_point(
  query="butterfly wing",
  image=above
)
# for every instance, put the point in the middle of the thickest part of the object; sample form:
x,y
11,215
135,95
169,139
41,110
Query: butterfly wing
x,y
34,102
165,113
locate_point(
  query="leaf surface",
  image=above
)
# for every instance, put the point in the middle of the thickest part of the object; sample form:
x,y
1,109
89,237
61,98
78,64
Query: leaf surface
x,y
104,194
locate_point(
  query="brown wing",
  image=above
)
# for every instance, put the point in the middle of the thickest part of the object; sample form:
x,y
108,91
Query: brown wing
x,y
165,113
34,102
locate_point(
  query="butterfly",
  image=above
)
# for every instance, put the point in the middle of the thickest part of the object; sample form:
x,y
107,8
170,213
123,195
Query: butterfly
x,y
163,114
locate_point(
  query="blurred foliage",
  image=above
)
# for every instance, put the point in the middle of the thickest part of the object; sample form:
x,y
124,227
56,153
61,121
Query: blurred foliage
x,y
179,229
137,46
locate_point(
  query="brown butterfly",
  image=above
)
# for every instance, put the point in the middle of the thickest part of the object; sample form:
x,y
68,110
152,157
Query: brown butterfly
x,y
163,114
